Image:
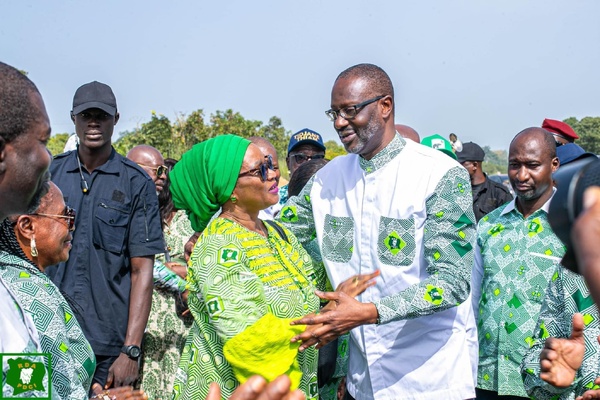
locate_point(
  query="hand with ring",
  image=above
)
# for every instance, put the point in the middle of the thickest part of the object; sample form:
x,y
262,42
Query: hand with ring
x,y
357,284
118,393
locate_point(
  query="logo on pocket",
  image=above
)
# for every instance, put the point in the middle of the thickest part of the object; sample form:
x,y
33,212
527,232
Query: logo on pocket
x,y
394,243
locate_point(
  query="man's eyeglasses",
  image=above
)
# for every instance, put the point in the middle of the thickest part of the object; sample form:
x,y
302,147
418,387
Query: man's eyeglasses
x,y
301,158
262,171
160,170
351,111
68,214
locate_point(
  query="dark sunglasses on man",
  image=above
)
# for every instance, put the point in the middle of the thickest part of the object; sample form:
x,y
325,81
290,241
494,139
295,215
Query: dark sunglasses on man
x,y
160,170
301,158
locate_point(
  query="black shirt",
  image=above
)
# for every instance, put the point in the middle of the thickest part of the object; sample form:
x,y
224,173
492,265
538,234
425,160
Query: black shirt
x,y
488,196
117,219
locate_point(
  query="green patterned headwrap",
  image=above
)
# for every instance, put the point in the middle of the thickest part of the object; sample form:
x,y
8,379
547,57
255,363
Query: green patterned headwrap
x,y
205,177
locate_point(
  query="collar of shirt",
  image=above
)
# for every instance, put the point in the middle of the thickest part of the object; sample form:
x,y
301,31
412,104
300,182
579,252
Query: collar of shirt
x,y
380,159
512,206
111,166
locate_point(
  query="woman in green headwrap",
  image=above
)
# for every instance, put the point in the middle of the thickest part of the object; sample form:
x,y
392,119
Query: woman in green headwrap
x,y
247,279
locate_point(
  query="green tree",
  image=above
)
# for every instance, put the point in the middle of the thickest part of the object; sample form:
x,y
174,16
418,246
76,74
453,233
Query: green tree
x,y
588,129
174,139
495,162
57,142
334,149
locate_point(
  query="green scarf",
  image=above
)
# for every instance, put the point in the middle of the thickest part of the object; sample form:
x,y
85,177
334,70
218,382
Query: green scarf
x,y
205,177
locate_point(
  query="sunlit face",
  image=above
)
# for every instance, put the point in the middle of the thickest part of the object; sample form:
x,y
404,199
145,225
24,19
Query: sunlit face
x,y
27,159
362,134
94,128
52,235
530,167
251,192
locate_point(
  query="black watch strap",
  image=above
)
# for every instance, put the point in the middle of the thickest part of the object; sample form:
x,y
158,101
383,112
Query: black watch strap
x,y
132,351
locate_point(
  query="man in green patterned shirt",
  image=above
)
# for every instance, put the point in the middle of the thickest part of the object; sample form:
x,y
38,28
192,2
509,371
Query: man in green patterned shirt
x,y
516,256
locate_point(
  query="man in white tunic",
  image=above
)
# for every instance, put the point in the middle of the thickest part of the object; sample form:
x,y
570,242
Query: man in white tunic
x,y
406,210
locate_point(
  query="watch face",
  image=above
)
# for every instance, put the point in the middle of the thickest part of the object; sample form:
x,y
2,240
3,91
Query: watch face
x,y
134,351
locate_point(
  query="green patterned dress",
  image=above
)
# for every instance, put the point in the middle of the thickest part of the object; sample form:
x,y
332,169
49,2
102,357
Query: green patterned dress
x,y
236,277
166,331
72,360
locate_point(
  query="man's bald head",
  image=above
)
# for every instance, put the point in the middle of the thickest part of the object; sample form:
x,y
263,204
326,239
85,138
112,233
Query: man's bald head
x,y
408,133
377,79
545,138
151,161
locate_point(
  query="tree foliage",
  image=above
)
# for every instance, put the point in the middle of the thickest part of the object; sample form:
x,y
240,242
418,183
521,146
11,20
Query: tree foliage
x,y
334,149
173,139
56,144
588,129
495,162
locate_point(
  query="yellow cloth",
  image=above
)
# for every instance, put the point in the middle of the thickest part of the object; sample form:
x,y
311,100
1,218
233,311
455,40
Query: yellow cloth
x,y
265,349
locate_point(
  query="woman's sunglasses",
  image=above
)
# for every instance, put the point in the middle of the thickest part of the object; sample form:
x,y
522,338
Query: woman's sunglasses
x,y
68,214
262,171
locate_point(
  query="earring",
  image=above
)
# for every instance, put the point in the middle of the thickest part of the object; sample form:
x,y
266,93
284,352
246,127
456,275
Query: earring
x,y
233,199
34,252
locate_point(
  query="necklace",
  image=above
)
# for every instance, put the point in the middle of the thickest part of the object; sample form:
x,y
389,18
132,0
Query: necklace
x,y
261,227
84,185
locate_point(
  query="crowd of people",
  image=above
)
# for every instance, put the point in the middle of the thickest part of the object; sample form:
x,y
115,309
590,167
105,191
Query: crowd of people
x,y
398,271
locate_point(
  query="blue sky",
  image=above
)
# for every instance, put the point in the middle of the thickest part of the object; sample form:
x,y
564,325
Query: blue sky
x,y
482,69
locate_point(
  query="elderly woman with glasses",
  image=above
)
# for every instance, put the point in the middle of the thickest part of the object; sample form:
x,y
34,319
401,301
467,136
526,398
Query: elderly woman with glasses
x,y
28,244
247,279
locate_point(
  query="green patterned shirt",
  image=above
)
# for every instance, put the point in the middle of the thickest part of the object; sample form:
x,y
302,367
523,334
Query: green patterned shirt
x,y
566,295
73,362
236,277
515,260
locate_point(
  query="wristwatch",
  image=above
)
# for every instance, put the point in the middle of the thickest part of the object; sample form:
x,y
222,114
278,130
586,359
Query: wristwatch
x,y
132,351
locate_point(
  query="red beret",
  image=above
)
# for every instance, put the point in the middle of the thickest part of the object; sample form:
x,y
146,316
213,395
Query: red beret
x,y
559,128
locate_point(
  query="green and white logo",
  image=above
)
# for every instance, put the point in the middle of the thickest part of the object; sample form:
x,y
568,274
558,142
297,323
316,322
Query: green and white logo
x,y
229,256
26,376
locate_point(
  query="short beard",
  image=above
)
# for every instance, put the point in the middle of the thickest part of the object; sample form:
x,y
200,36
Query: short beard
x,y
369,131
41,192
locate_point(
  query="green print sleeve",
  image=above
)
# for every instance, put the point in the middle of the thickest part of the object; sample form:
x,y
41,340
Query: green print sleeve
x,y
448,241
552,322
297,215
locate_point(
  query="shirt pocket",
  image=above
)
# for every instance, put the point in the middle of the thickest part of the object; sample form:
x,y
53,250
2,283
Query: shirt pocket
x,y
110,228
338,238
396,242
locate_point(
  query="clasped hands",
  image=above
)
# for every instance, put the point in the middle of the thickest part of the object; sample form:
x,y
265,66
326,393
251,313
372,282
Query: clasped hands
x,y
340,315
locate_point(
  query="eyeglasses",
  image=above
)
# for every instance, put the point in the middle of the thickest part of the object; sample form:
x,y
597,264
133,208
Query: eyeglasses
x,y
301,158
351,111
160,170
263,169
68,214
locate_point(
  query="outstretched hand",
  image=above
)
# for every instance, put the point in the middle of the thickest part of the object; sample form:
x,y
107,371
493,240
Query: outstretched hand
x,y
561,358
339,316
256,388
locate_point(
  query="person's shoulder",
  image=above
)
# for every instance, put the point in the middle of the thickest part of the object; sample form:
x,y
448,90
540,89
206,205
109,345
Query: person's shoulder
x,y
62,159
497,186
127,163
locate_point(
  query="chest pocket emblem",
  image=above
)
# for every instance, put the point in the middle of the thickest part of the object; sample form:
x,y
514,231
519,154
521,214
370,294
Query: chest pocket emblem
x,y
396,244
338,238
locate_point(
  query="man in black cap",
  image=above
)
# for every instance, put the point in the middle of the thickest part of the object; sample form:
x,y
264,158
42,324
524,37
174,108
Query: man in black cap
x,y
304,145
487,194
109,272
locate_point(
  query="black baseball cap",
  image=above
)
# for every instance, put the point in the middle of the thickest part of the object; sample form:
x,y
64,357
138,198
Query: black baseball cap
x,y
95,95
470,152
